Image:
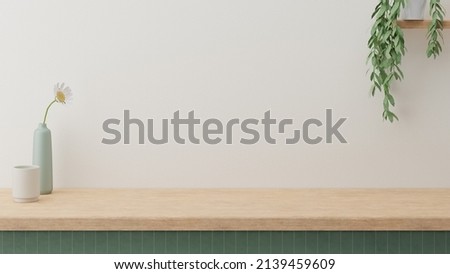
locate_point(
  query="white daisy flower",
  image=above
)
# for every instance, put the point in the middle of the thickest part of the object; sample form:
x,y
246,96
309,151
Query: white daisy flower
x,y
62,94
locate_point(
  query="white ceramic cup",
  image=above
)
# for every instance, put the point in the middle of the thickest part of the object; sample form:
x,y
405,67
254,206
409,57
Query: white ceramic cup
x,y
25,184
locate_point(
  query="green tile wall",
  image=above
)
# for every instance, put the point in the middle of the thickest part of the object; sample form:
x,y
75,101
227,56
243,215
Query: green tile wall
x,y
218,242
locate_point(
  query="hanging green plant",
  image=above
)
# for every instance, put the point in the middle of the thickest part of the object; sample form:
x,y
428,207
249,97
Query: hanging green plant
x,y
437,14
387,47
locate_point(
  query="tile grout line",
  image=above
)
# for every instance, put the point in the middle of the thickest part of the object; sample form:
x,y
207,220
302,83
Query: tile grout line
x,y
259,242
410,242
421,239
387,247
178,243
364,242
353,252
316,236
223,238
189,242
329,242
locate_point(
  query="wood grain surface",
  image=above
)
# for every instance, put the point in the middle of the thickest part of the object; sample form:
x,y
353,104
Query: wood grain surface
x,y
419,24
230,209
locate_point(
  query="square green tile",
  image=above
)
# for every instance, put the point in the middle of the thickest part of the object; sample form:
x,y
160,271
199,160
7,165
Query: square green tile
x,y
288,240
253,242
447,241
149,242
78,242
393,239
276,239
124,242
206,242
43,243
428,242
405,242
369,242
54,242
101,242
194,243
112,242
381,241
242,239
230,246
8,242
218,242
417,242
90,241
312,242
137,240
300,242
171,242
347,242
324,242
358,242
31,242
440,242
334,243
66,242
20,242
183,242
264,242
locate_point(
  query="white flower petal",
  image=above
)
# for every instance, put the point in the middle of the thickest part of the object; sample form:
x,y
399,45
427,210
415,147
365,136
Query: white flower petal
x,y
66,95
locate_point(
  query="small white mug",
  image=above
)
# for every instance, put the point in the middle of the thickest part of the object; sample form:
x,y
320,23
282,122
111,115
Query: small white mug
x,y
25,184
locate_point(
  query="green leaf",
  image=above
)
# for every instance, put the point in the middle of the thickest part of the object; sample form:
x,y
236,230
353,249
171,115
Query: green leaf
x,y
395,9
394,116
391,119
391,99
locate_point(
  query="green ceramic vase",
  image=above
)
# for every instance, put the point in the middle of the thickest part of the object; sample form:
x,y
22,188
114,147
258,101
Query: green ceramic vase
x,y
42,157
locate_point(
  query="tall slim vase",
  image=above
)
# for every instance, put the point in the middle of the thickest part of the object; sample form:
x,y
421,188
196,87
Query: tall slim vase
x,y
42,157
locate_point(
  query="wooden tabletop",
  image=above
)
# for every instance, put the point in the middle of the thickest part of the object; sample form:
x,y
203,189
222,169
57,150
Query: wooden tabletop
x,y
230,209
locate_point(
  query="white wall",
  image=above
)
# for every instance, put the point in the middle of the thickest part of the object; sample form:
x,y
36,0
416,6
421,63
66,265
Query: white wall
x,y
224,59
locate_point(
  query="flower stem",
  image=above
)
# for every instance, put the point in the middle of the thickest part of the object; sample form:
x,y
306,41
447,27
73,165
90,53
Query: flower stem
x,y
46,111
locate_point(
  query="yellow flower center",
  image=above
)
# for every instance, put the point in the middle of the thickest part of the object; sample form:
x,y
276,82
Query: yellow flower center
x,y
60,97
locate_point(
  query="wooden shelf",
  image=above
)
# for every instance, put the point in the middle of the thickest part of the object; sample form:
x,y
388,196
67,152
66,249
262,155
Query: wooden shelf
x,y
418,24
230,209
